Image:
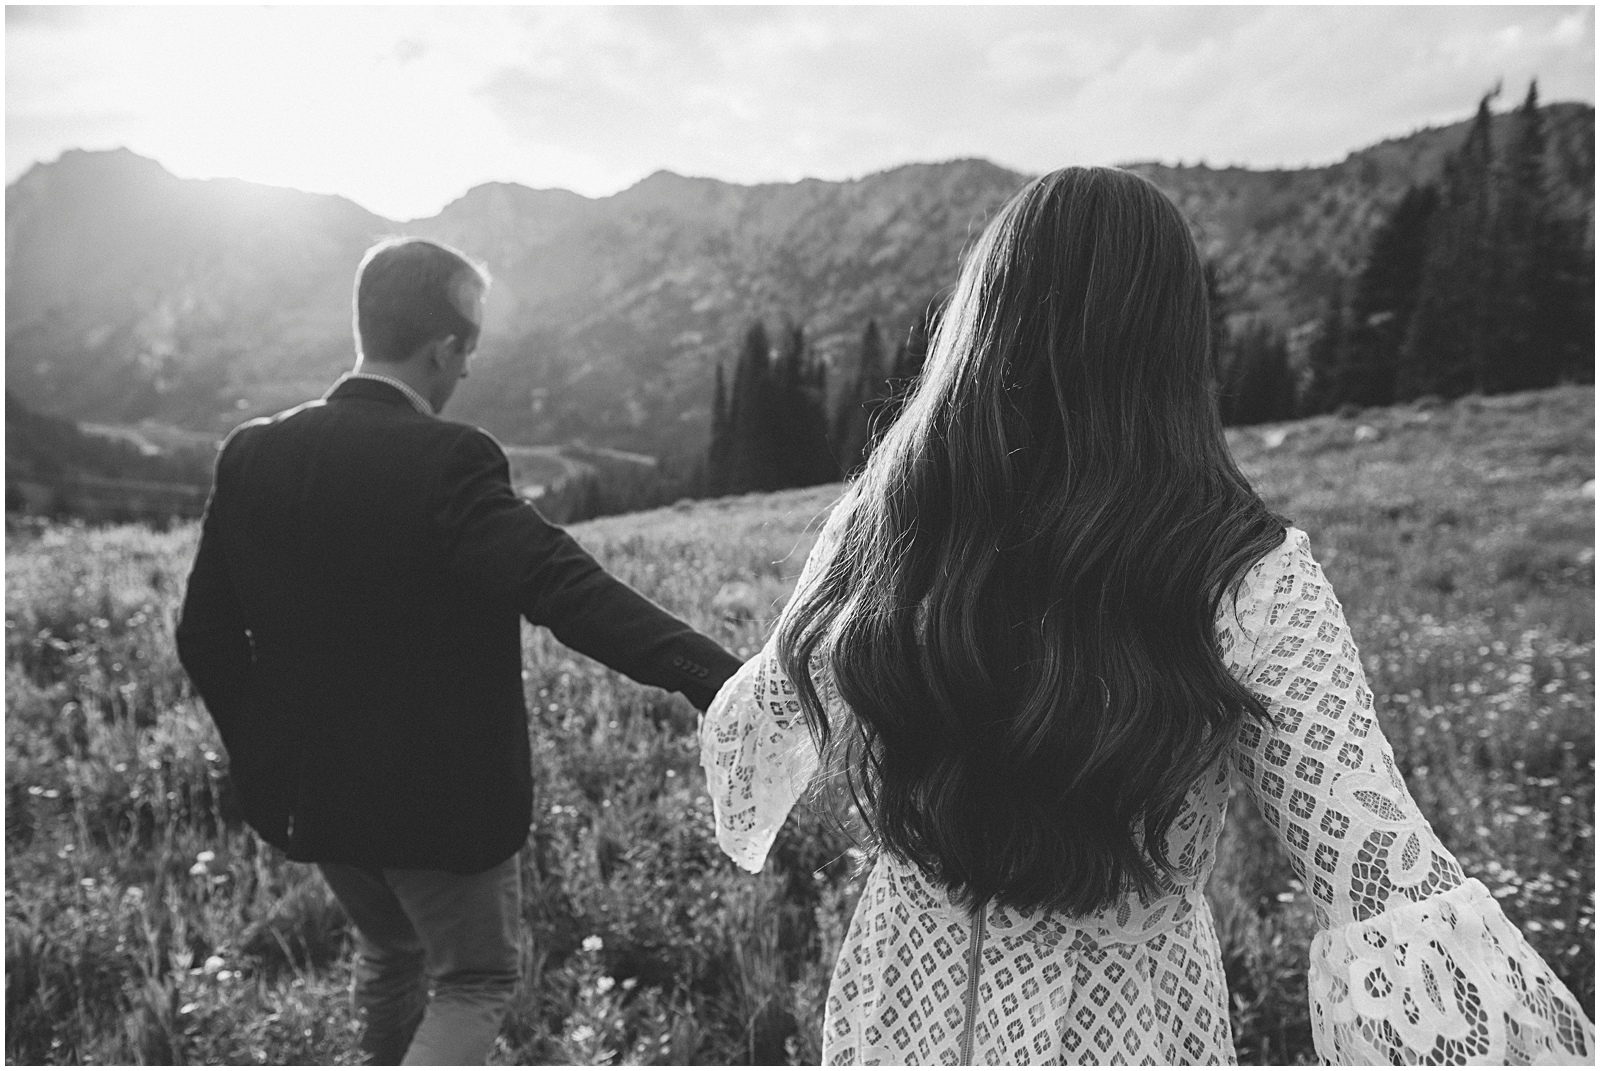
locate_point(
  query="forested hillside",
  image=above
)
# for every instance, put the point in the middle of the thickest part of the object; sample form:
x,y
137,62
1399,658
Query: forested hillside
x,y
134,295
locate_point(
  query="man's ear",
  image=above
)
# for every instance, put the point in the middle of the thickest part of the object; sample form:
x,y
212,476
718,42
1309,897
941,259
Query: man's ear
x,y
441,350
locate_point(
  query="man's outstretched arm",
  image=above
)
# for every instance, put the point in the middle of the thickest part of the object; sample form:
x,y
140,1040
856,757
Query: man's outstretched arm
x,y
500,545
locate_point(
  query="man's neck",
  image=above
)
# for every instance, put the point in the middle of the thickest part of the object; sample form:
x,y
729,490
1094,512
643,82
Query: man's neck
x,y
400,373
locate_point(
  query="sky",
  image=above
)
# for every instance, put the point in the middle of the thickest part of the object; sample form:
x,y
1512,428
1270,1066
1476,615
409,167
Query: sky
x,y
403,109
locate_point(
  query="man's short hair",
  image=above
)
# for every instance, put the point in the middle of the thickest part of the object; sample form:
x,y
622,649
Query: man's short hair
x,y
410,291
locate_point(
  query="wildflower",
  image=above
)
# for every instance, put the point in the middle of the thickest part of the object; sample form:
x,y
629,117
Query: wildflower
x,y
593,943
604,985
214,964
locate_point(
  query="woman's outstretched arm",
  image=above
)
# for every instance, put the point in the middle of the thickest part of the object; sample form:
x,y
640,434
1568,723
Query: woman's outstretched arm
x,y
755,746
758,758
1415,962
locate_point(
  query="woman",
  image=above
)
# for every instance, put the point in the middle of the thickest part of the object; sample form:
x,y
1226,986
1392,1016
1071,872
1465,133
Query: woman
x,y
1036,639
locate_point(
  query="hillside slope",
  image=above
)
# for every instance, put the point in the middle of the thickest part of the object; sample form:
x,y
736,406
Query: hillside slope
x,y
132,294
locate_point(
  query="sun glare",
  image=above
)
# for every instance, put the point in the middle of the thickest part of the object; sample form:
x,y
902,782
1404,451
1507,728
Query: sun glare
x,y
347,100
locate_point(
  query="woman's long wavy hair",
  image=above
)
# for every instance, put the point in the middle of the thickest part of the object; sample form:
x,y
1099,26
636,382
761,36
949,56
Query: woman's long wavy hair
x,y
1019,605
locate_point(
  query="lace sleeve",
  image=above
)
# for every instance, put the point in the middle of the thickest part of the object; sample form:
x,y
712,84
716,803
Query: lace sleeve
x,y
758,758
755,746
1415,963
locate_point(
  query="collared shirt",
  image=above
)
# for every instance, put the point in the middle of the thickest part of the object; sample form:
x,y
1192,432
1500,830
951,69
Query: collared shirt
x,y
417,401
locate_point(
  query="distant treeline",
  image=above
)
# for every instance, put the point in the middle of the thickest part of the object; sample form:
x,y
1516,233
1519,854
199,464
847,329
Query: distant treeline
x,y
1475,284
54,469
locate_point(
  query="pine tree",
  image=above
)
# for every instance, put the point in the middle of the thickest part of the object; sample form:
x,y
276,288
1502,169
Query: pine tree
x,y
1548,334
1260,386
1520,356
753,465
862,400
1567,304
1218,302
1446,348
717,469
909,357
1385,298
772,432
1328,359
799,428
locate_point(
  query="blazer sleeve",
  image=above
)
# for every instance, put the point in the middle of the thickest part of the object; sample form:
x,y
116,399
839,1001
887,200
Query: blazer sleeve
x,y
214,645
499,545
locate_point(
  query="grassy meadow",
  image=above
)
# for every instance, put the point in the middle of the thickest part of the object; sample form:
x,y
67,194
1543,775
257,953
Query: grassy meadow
x,y
144,924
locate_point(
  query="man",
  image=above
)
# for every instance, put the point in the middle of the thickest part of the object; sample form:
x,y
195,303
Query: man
x,y
353,625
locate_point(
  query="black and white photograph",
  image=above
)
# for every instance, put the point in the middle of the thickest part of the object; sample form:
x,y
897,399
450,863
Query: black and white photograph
x,y
760,534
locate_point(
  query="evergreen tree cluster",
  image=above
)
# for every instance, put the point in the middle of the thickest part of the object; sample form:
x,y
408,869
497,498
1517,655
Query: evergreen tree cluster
x,y
771,432
774,431
1259,387
880,388
1475,285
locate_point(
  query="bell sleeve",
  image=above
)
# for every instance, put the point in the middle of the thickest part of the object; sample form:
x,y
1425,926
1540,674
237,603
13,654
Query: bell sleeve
x,y
758,758
755,746
1414,962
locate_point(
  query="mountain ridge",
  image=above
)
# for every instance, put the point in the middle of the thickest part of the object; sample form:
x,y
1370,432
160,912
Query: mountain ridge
x,y
133,294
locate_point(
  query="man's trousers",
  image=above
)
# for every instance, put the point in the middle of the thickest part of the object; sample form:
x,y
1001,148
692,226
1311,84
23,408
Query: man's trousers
x,y
416,928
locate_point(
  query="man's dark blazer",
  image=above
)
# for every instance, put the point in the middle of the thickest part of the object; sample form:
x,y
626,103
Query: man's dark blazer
x,y
353,625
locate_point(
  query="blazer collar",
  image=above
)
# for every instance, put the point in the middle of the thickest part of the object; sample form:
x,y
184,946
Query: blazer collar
x,y
352,386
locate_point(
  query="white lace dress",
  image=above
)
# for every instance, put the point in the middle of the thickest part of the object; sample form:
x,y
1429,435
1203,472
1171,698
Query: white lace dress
x,y
1414,963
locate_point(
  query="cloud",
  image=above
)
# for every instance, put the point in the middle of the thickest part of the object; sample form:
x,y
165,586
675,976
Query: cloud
x,y
28,16
408,49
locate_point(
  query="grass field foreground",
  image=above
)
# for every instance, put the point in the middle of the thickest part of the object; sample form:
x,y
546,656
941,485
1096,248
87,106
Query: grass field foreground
x,y
145,924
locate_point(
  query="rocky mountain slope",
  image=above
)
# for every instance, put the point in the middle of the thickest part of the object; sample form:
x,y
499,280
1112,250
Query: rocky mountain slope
x,y
134,295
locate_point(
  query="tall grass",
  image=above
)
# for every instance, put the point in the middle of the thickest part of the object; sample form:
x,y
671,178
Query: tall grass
x,y
145,924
